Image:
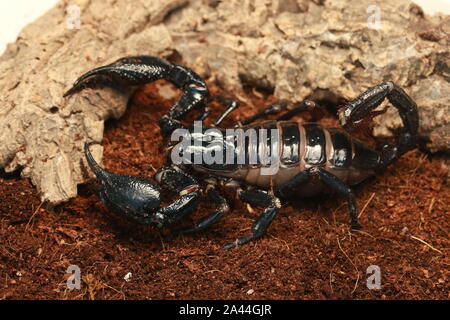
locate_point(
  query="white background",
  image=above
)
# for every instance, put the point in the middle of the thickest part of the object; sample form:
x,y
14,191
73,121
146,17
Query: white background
x,y
15,14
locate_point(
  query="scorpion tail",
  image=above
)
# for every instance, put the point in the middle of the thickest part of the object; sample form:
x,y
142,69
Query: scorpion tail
x,y
358,110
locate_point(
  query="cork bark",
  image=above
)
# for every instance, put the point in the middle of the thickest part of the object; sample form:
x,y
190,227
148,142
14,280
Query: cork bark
x,y
291,47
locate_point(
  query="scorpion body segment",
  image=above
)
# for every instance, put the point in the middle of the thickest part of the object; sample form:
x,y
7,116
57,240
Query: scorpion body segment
x,y
309,158
300,146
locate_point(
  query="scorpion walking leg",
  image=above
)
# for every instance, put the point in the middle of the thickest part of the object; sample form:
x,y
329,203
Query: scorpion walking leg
x,y
232,105
309,106
212,218
360,111
258,199
333,182
229,103
288,189
272,109
140,70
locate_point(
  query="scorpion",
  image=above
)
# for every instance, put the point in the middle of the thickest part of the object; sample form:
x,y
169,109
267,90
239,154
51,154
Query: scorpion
x,y
313,158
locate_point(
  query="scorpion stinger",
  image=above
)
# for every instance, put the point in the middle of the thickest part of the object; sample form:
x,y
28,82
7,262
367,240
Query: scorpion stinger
x,y
139,70
362,107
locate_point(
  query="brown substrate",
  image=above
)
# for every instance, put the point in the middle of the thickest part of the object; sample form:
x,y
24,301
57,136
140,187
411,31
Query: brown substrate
x,y
308,252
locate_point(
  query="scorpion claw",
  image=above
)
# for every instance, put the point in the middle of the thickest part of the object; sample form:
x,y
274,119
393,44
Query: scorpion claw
x,y
139,70
138,199
135,198
126,71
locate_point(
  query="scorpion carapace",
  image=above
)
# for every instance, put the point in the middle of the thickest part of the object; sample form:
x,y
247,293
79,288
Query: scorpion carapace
x,y
310,158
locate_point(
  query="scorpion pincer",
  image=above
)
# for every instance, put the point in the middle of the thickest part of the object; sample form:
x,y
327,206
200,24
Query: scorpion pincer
x,y
312,158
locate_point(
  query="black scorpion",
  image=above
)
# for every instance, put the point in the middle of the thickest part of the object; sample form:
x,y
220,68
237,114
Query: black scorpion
x,y
312,158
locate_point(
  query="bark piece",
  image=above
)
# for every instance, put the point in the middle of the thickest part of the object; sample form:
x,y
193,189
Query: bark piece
x,y
291,47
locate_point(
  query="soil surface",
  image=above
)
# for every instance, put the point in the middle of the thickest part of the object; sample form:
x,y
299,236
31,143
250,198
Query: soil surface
x,y
309,251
